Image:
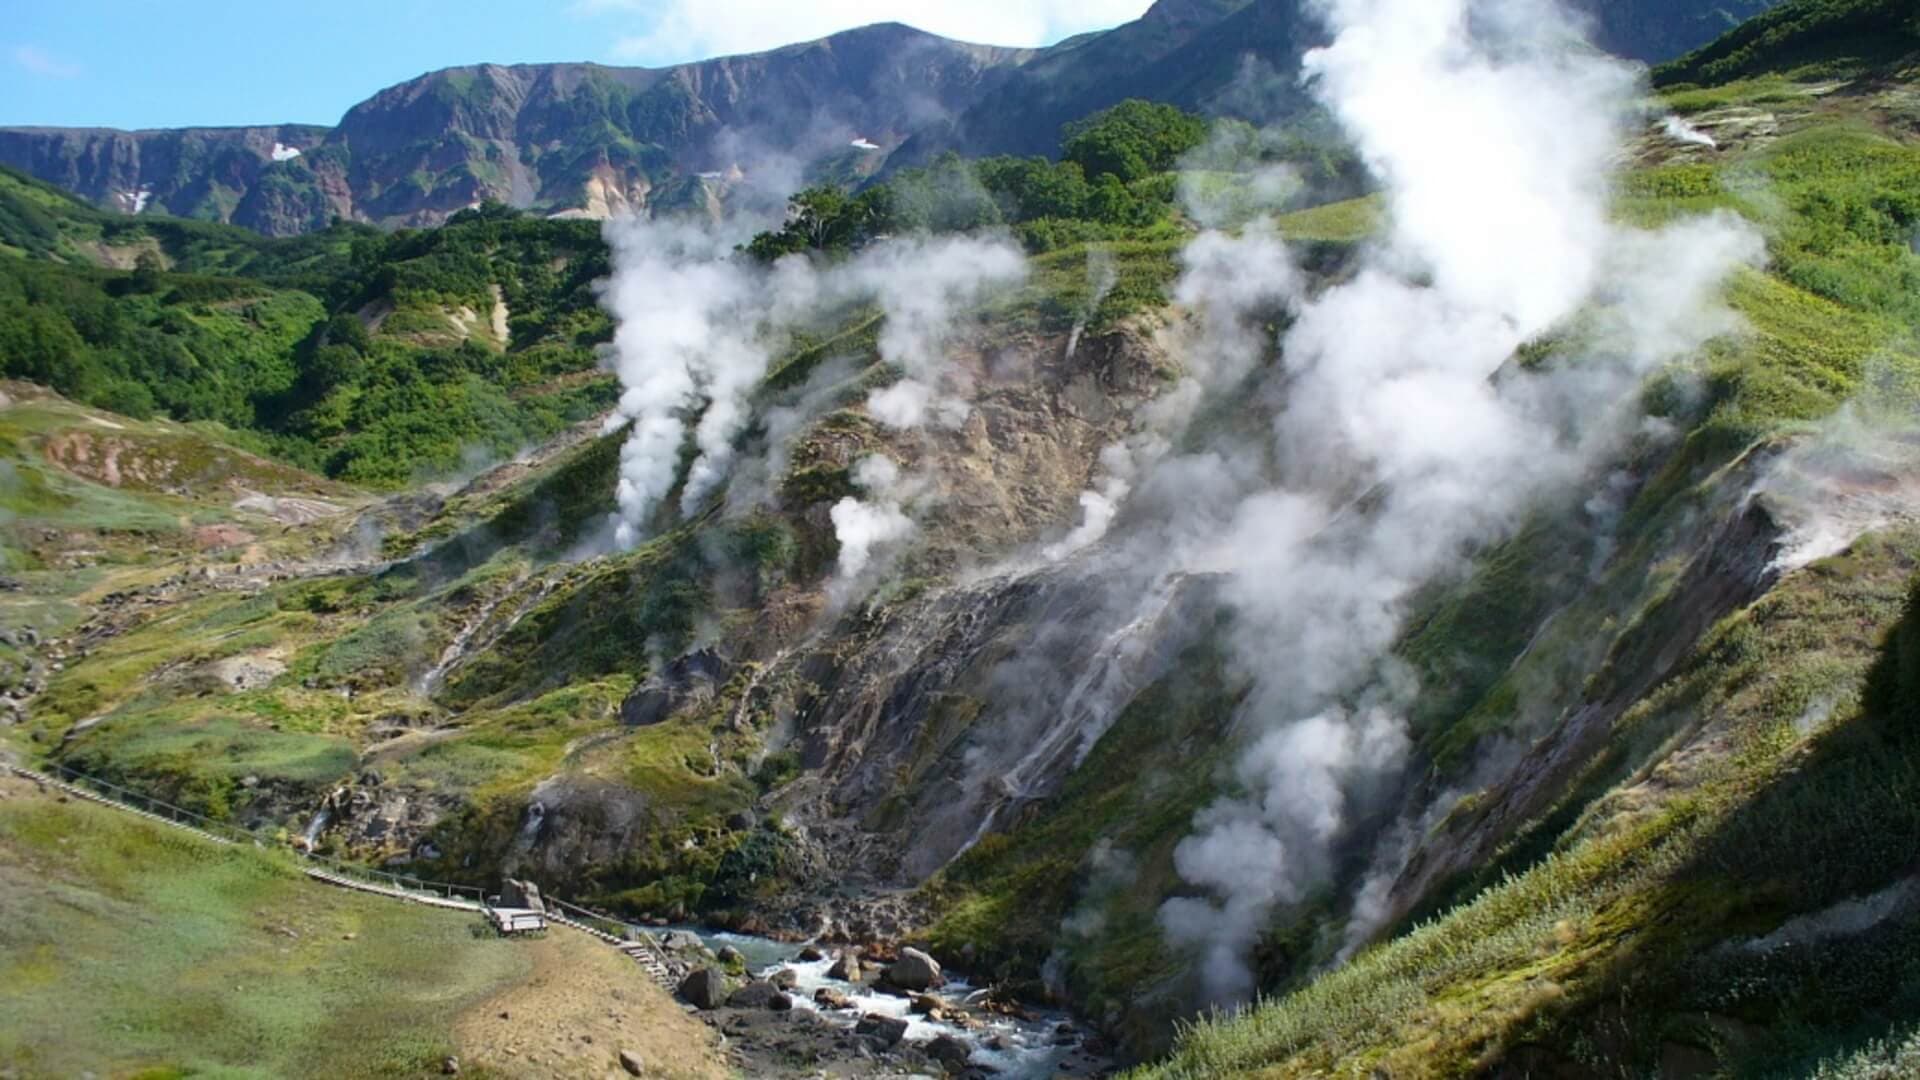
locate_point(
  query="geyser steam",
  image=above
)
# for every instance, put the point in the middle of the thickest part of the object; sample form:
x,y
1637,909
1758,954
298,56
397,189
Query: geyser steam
x,y
1491,129
698,324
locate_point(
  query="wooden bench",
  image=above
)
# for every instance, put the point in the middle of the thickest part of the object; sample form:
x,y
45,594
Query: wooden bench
x,y
516,920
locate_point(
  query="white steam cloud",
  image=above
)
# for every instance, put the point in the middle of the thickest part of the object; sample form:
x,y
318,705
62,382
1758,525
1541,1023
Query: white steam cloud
x,y
1682,132
689,327
862,527
1405,438
698,325
922,286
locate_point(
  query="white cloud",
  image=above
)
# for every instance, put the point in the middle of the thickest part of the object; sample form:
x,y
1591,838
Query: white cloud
x,y
40,62
673,31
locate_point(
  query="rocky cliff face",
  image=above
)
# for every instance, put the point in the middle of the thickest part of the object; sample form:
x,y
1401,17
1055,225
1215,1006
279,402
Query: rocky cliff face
x,y
559,137
254,176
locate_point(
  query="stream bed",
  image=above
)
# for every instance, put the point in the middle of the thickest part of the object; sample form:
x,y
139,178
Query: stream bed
x,y
1036,1043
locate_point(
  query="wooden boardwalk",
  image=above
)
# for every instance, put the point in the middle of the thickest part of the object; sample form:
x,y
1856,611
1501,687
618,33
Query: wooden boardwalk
x,y
641,948
409,895
79,792
644,951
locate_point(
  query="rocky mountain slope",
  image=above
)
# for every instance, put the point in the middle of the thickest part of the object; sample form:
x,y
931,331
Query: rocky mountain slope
x,y
1626,785
1241,58
590,139
580,137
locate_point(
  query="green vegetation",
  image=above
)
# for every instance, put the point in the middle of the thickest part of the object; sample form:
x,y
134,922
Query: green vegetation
x,y
1806,38
1131,140
130,949
370,357
1114,182
1792,816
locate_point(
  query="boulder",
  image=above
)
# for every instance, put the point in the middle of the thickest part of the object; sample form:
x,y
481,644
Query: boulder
x,y
731,956
781,1001
950,1052
846,967
757,994
785,978
888,1030
828,998
521,894
693,678
915,970
631,1062
810,955
704,988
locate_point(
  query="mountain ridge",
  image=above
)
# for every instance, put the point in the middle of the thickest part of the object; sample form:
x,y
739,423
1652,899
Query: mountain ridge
x,y
588,139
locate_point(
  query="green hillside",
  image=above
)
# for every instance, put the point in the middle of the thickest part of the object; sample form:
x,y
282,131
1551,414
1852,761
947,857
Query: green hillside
x,y
309,544
1807,38
1614,931
369,356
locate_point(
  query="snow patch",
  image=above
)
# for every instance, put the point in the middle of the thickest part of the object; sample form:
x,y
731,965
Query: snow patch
x,y
864,143
133,202
283,152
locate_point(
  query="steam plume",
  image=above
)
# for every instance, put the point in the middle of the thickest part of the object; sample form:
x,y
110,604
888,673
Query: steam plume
x,y
1397,451
698,325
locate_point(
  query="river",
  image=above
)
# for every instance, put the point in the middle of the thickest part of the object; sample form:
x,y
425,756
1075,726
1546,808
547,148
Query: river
x,y
1046,1043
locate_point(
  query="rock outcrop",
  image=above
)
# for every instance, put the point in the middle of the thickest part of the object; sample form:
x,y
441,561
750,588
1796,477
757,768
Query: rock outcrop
x,y
521,894
687,682
704,988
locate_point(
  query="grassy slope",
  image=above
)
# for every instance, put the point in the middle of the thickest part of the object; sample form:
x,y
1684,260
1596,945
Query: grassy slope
x,y
1779,817
128,948
1590,942
1806,38
67,537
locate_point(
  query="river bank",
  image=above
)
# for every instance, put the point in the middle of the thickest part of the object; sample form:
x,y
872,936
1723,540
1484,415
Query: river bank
x,y
796,1009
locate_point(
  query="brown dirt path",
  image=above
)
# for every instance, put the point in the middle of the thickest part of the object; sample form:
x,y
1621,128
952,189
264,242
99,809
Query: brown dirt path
x,y
582,1004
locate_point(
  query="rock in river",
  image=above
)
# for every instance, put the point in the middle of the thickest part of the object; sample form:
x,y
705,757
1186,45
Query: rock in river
x,y
758,994
846,967
915,970
949,1051
888,1030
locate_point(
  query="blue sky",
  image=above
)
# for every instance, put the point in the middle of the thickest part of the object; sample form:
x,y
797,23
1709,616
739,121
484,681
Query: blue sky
x,y
142,63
